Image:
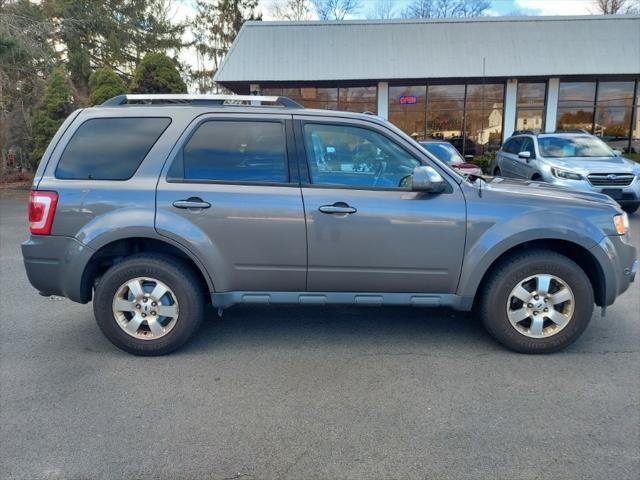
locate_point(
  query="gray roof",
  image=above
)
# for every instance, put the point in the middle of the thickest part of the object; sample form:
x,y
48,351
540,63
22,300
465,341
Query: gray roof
x,y
443,48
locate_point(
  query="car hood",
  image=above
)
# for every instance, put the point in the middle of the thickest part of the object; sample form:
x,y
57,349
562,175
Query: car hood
x,y
536,190
588,165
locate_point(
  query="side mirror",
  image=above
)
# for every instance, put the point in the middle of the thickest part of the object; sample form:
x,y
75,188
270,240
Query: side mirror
x,y
426,179
525,155
468,157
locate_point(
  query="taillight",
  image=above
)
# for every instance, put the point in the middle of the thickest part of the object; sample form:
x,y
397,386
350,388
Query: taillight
x,y
42,208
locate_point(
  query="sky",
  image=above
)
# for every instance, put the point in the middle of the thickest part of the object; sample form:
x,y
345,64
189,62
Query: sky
x,y
186,9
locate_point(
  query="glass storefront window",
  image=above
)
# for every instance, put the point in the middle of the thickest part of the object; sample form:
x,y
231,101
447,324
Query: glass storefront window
x,y
614,108
407,109
530,106
580,118
576,94
446,125
358,99
635,134
489,96
446,97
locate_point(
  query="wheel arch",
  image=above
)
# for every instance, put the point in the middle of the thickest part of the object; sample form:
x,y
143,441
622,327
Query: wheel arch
x,y
572,250
115,251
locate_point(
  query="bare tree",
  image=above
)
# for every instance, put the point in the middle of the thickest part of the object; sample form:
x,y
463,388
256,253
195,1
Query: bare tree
x,y
292,10
615,7
446,8
383,10
335,9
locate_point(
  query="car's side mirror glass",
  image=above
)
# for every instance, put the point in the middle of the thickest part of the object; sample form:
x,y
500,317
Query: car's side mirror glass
x,y
426,179
525,155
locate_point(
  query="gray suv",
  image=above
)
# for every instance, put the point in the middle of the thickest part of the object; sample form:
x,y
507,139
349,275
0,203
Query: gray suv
x,y
572,160
154,206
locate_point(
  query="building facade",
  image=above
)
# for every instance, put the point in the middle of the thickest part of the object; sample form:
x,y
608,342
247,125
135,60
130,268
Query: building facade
x,y
472,82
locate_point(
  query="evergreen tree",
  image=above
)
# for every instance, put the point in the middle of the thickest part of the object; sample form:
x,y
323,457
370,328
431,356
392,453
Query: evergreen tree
x,y
57,104
104,83
157,73
115,33
215,27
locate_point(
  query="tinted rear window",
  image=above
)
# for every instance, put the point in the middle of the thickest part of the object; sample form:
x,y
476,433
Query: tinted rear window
x,y
109,148
237,151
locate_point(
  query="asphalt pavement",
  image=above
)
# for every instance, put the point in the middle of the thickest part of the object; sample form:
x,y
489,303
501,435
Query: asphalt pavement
x,y
309,393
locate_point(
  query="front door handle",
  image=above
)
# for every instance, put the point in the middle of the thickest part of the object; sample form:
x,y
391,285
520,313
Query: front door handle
x,y
192,202
338,207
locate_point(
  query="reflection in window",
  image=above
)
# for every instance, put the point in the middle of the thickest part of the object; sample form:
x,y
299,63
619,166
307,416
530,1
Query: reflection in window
x,y
577,118
613,113
635,134
445,114
530,106
358,99
576,94
446,97
407,109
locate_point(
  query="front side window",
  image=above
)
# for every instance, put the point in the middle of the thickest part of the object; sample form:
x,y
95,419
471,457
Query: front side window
x,y
109,148
527,146
236,151
355,157
445,152
573,147
513,145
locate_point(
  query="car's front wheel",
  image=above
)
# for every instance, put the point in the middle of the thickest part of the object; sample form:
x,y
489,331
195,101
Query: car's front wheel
x,y
149,304
537,302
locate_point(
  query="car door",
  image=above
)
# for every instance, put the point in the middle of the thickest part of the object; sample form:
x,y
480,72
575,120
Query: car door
x,y
509,163
526,168
230,198
365,232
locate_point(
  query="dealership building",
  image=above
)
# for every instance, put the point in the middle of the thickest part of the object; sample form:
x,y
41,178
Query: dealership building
x,y
470,81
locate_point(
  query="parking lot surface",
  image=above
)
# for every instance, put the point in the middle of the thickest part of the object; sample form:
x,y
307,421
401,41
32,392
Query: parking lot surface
x,y
306,393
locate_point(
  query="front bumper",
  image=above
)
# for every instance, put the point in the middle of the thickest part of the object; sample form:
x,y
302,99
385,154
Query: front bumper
x,y
55,265
626,196
619,264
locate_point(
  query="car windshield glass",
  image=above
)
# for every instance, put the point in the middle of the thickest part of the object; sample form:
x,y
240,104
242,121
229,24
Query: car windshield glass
x,y
446,153
563,147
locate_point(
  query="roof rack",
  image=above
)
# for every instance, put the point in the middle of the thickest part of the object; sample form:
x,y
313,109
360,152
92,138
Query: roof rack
x,y
572,130
188,99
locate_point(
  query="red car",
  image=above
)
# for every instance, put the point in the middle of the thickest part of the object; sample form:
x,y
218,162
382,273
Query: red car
x,y
449,154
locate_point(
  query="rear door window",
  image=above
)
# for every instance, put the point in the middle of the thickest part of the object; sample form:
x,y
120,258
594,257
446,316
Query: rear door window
x,y
109,148
237,152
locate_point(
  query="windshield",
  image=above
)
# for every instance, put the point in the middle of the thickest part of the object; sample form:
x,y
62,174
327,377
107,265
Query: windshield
x,y
445,152
562,147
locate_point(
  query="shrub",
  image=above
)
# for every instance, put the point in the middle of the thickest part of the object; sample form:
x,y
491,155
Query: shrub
x,y
104,83
157,73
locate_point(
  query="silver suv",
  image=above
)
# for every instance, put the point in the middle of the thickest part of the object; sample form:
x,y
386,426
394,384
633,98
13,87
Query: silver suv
x,y
154,206
573,160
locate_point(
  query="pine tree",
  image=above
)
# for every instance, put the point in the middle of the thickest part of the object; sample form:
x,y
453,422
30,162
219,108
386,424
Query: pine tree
x,y
57,104
104,83
157,73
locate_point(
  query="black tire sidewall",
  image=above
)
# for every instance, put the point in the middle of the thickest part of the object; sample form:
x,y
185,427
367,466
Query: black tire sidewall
x,y
506,277
173,273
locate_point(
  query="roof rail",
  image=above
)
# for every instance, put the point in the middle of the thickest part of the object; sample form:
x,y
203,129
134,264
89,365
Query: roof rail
x,y
188,99
523,132
572,130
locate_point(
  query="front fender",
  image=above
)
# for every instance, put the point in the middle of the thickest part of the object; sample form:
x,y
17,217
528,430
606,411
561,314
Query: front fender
x,y
487,243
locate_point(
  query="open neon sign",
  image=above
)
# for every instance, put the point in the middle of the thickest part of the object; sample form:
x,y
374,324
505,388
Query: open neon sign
x,y
408,100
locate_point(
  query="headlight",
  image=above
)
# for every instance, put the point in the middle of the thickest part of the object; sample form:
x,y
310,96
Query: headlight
x,y
566,174
621,222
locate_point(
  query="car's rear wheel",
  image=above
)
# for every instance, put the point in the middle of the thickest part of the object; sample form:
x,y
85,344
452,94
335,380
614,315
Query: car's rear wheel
x,y
149,304
497,172
537,302
631,208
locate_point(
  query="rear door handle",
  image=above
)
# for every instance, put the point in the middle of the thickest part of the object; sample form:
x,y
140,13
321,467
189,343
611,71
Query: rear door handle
x,y
338,207
193,202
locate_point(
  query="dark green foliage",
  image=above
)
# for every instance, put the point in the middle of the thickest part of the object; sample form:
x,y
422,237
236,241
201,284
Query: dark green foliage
x,y
56,105
157,73
104,83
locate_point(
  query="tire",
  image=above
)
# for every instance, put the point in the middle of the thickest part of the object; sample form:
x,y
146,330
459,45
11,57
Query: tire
x,y
497,172
497,302
631,208
183,304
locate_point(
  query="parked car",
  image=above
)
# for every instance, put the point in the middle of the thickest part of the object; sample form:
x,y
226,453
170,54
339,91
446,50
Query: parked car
x,y
154,210
449,154
573,160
